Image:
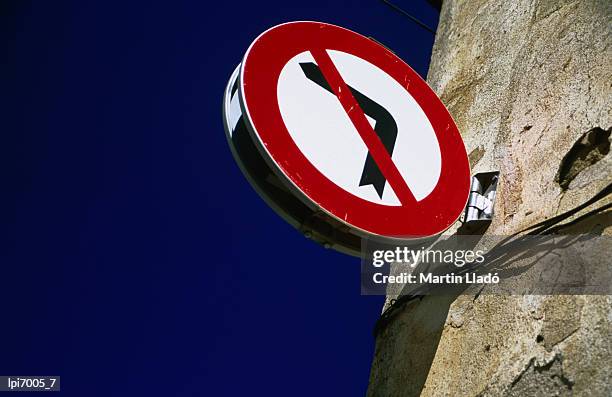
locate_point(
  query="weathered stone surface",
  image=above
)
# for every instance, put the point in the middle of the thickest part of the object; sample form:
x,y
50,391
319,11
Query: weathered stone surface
x,y
526,81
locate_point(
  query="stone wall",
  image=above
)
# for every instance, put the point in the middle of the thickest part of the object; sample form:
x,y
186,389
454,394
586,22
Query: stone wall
x,y
529,85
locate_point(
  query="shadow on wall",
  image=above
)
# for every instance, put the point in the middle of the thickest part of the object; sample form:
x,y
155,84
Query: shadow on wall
x,y
409,331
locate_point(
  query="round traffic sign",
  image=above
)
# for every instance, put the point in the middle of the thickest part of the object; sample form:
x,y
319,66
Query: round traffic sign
x,y
353,130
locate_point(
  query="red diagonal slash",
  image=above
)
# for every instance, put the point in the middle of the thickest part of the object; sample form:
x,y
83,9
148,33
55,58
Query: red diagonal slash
x,y
376,148
366,132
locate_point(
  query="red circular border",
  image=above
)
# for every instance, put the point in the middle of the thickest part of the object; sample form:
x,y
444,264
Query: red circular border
x,y
259,74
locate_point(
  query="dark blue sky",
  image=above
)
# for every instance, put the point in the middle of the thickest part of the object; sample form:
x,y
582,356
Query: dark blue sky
x,y
136,259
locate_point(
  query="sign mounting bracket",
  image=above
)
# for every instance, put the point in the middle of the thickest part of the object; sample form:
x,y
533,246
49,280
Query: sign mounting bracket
x,y
483,190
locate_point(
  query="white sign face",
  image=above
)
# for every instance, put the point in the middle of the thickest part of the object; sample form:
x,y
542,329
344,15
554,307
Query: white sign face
x,y
324,133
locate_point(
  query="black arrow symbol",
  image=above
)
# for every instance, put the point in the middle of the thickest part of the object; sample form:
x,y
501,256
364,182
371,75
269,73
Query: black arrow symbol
x,y
385,126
